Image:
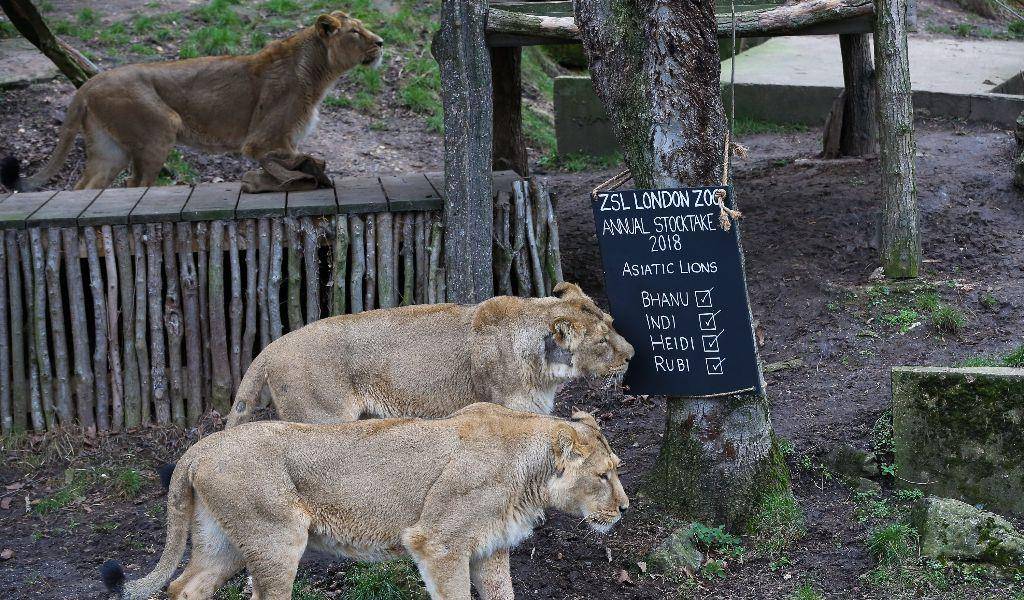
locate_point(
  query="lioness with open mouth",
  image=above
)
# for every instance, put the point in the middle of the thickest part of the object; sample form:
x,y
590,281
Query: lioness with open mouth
x,y
453,494
431,360
254,105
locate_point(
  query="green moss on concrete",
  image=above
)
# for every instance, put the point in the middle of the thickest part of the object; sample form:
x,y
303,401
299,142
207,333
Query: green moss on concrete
x,y
959,432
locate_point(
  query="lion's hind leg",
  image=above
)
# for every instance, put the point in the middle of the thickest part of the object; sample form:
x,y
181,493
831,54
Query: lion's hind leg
x,y
214,560
272,551
492,577
105,158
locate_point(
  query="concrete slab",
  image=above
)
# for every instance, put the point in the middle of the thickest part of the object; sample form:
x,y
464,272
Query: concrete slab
x,y
21,63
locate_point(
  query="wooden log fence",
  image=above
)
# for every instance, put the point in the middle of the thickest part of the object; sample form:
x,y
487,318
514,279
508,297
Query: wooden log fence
x,y
134,307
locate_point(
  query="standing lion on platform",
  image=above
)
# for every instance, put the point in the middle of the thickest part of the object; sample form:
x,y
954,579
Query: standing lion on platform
x,y
254,105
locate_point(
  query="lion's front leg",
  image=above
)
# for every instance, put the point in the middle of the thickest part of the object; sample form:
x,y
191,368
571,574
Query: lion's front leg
x,y
447,577
492,576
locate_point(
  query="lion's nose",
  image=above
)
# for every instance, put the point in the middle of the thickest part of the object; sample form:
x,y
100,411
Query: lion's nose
x,y
623,509
380,43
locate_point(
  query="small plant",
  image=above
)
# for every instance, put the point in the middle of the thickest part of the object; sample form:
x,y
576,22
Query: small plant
x,y
393,580
87,16
717,539
777,523
949,320
713,569
177,170
304,590
59,500
805,592
105,527
128,482
989,301
1015,358
893,544
1016,28
281,7
905,319
927,301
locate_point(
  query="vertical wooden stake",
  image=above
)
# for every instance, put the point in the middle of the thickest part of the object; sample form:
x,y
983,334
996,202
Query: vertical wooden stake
x,y
900,246
294,274
502,244
193,330
141,344
408,259
6,414
100,364
339,270
434,272
251,262
202,266
40,386
422,258
311,259
235,308
83,379
370,296
274,279
113,332
19,385
385,274
261,283
126,281
173,325
524,283
58,333
154,297
358,262
220,393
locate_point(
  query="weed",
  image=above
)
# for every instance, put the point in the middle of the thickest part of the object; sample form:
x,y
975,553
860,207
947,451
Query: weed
x,y
893,544
393,580
717,539
257,40
1016,28
59,500
949,320
805,592
211,41
713,569
177,170
870,506
981,361
281,7
88,17
105,527
379,125
927,301
786,446
1015,358
963,29
142,50
128,482
419,97
116,34
337,101
904,320
777,523
7,30
988,300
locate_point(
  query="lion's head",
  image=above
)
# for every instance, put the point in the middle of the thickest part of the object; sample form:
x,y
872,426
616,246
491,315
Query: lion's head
x,y
582,341
586,481
348,42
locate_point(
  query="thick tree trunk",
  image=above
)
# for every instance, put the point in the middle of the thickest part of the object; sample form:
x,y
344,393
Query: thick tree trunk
x,y
461,52
28,21
655,67
852,129
901,238
507,82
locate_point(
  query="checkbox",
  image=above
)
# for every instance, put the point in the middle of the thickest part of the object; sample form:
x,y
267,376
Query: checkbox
x,y
703,298
714,365
711,342
707,321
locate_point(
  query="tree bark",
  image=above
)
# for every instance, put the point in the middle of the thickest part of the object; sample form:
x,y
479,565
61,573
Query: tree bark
x,y
901,237
20,312
101,365
83,376
655,67
29,22
461,52
853,125
507,83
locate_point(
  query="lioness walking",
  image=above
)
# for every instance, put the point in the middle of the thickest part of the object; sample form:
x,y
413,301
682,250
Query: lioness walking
x,y
453,494
257,104
431,360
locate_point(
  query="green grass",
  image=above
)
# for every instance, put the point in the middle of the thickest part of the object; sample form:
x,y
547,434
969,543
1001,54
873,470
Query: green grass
x,y
393,580
88,17
893,544
281,7
7,30
777,523
744,126
949,320
717,540
211,41
62,498
177,171
805,592
128,482
902,320
576,161
1015,358
539,129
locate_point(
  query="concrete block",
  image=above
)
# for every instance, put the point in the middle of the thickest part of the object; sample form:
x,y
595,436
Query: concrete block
x,y
958,433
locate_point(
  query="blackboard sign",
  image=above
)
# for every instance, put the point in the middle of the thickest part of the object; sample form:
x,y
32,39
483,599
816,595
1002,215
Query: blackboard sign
x,y
675,282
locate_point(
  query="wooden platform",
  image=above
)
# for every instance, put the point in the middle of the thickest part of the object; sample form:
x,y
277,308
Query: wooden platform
x,y
225,201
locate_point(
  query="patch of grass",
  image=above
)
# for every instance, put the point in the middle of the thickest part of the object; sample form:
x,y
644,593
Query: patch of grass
x,y
806,592
718,540
981,361
304,590
776,524
7,30
893,544
927,301
105,527
949,320
903,320
576,161
1015,358
392,580
213,40
539,129
88,17
748,126
177,170
419,97
142,50
59,500
128,482
115,34
281,7
1016,28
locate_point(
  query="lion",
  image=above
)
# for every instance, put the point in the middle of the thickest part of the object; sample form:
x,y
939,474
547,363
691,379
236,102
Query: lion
x,y
453,494
431,360
254,105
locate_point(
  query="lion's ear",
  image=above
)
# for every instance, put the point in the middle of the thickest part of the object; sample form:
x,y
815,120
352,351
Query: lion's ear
x,y
584,417
563,330
566,290
566,446
327,25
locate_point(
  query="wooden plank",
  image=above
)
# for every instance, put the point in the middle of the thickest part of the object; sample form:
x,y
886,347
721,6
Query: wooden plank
x,y
111,207
410,192
312,203
253,206
563,8
212,202
62,209
161,204
16,208
501,181
360,195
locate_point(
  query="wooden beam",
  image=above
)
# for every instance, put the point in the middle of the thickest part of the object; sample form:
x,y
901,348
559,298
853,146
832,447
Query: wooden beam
x,y
813,17
507,82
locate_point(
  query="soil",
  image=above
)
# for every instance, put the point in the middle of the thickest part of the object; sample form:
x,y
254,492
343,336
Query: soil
x,y
810,237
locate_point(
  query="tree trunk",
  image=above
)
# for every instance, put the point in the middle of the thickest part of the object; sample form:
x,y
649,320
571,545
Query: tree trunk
x,y
655,67
28,21
901,238
507,82
461,51
852,129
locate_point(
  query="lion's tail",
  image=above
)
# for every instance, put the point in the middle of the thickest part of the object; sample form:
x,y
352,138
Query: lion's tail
x,y
180,509
247,396
72,124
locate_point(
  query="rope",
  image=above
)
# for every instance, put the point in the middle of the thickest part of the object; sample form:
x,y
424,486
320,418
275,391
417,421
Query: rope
x,y
726,215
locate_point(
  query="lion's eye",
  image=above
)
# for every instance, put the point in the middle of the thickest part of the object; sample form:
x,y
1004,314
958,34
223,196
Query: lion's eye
x,y
604,476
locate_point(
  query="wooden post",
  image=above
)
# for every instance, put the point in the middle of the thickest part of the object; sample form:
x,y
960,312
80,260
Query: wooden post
x,y
900,246
202,268
235,307
6,415
553,262
126,281
461,51
28,21
58,333
294,274
251,302
274,279
261,284
358,245
174,326
34,287
507,82
113,335
100,364
141,346
154,300
520,252
434,275
370,290
83,380
502,244
339,269
385,273
311,260
220,391
19,385
422,258
193,330
408,259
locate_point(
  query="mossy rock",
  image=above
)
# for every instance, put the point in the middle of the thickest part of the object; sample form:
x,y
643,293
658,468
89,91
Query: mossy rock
x,y
677,553
960,433
954,530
